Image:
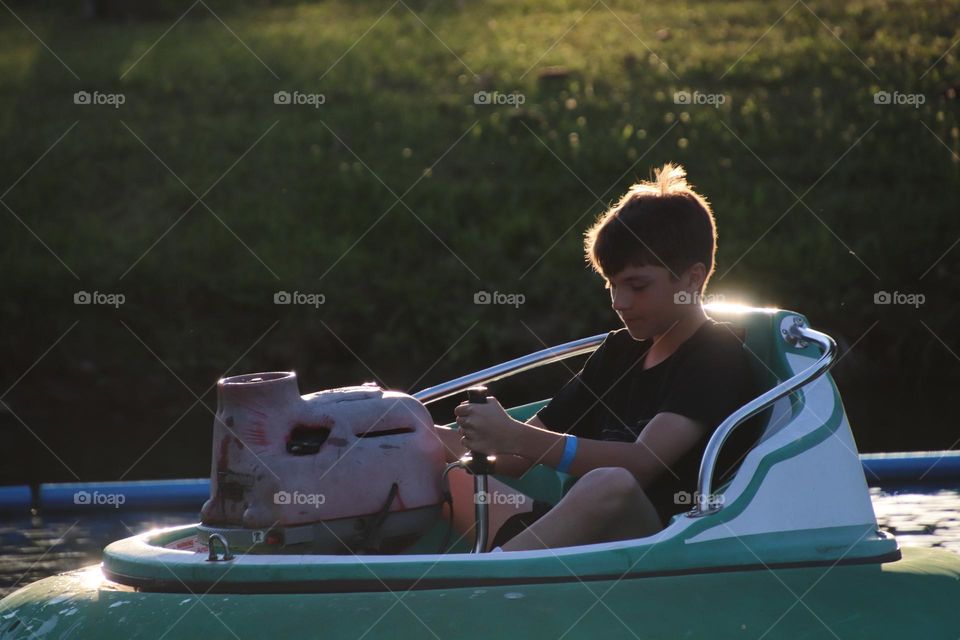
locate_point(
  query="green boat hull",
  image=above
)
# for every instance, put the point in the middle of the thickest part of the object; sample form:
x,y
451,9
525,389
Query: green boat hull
x,y
794,552
915,597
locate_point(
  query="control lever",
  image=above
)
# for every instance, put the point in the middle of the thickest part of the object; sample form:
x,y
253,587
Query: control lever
x,y
480,465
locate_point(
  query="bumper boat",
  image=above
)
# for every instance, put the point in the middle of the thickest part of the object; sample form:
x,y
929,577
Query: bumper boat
x,y
788,548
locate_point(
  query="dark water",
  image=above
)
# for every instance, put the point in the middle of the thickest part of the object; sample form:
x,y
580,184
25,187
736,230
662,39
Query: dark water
x,y
33,548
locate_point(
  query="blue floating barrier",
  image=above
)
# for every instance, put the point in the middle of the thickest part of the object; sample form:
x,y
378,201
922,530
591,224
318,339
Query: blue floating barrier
x,y
15,498
915,467
135,495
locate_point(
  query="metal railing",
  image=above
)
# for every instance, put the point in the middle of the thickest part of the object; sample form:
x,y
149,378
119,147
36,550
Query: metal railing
x,y
797,335
509,368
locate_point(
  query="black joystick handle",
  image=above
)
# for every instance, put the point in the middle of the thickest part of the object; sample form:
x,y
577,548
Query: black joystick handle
x,y
477,395
479,463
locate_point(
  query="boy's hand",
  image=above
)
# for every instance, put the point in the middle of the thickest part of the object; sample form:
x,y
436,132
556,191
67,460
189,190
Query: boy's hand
x,y
487,428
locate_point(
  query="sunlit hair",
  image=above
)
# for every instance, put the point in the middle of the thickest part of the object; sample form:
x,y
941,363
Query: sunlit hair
x,y
663,222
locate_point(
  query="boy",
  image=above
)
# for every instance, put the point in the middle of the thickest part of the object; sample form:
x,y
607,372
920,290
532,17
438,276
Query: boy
x,y
633,424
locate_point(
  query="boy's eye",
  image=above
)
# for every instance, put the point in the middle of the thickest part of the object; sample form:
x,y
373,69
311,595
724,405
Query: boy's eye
x,y
634,287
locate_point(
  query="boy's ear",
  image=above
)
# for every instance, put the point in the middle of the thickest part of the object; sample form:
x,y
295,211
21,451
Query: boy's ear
x,y
695,275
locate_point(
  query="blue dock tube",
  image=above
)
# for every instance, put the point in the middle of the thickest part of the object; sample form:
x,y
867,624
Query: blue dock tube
x,y
15,499
912,467
138,495
905,470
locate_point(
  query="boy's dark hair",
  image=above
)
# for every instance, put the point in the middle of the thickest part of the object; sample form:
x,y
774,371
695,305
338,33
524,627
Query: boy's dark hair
x,y
662,223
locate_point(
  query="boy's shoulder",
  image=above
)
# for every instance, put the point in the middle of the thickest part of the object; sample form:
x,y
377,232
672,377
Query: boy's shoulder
x,y
619,343
620,337
724,333
617,351
712,333
716,341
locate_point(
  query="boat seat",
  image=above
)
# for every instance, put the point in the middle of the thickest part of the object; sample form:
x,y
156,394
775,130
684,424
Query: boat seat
x,y
758,330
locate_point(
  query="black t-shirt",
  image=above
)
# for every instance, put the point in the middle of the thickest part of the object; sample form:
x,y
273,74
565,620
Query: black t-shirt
x,y
706,379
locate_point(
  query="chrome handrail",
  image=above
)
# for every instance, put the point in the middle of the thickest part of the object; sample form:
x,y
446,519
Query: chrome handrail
x,y
509,368
797,335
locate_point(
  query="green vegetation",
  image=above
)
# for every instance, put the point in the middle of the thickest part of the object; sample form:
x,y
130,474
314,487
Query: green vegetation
x,y
294,196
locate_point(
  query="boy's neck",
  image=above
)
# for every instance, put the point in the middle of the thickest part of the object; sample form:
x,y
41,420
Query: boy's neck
x,y
664,345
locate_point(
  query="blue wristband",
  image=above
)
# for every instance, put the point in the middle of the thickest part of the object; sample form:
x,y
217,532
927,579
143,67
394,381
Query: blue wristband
x,y
569,451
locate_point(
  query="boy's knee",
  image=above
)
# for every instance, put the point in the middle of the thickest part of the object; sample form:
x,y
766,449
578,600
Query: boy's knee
x,y
613,478
614,495
609,488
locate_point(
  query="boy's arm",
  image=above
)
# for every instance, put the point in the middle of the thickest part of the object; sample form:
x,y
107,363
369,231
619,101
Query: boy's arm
x,y
665,439
507,465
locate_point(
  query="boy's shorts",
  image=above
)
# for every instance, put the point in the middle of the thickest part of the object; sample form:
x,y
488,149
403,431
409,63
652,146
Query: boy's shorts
x,y
516,524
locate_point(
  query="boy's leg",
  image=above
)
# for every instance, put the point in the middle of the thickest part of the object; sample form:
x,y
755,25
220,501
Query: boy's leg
x,y
605,504
507,503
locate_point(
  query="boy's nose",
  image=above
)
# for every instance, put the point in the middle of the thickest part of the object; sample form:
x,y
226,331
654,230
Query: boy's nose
x,y
620,300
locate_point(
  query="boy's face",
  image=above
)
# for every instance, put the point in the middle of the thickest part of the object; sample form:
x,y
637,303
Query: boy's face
x,y
649,301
